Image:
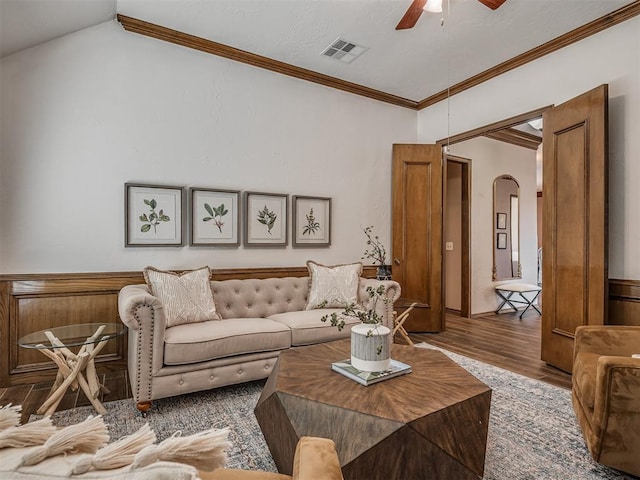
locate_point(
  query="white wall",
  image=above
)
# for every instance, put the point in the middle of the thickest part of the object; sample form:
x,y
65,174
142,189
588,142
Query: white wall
x,y
85,113
489,160
611,56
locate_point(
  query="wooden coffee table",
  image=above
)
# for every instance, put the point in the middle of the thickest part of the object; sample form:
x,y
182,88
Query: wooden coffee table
x,y
431,423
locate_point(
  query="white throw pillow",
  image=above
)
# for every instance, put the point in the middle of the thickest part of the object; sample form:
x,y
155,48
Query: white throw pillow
x,y
186,297
333,286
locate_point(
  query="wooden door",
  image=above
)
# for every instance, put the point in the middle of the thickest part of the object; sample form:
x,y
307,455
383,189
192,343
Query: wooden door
x,y
574,272
417,233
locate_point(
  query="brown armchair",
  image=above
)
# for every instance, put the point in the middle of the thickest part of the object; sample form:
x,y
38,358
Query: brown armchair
x,y
606,393
315,459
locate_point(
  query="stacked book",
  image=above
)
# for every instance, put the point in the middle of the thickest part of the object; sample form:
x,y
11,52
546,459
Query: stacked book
x,y
368,378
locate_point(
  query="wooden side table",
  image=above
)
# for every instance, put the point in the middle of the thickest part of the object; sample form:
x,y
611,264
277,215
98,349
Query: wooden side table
x,y
74,369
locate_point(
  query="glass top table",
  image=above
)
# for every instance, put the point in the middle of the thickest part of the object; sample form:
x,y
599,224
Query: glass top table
x,y
72,335
74,369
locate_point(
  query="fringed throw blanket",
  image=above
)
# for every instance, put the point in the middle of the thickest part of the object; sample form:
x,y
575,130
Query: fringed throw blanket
x,y
39,450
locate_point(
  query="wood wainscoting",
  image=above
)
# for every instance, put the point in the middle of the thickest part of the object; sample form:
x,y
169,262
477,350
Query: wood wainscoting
x,y
33,302
624,302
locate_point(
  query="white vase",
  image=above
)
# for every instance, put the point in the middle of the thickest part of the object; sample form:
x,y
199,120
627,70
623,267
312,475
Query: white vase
x,y
371,347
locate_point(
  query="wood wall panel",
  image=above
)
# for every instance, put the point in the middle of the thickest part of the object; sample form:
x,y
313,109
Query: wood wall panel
x,y
624,302
32,302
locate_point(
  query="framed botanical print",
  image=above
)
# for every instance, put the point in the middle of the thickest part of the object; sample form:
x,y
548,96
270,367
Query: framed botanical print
x,y
215,217
266,219
311,221
154,215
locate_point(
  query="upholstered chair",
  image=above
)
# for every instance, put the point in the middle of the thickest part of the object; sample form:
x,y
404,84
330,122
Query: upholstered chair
x,y
606,393
315,459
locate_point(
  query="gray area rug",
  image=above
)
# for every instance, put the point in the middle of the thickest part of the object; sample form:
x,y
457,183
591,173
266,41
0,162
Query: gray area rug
x,y
533,433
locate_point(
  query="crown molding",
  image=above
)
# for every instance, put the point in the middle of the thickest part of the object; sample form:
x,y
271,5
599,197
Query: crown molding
x,y
176,37
580,33
141,27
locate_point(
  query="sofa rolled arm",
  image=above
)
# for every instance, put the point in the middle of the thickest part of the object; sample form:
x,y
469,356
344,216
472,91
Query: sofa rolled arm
x,y
144,315
316,459
130,299
392,291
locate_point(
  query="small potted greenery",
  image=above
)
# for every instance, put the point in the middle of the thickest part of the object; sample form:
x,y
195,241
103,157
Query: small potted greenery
x,y
375,251
370,340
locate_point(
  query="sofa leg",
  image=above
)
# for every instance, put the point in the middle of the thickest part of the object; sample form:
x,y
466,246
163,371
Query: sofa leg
x,y
143,407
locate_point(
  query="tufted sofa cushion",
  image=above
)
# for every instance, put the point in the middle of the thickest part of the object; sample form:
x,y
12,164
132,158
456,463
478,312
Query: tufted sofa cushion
x,y
200,342
307,328
260,297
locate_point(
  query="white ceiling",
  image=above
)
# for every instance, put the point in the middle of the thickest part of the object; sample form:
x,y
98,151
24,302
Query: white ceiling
x,y
413,63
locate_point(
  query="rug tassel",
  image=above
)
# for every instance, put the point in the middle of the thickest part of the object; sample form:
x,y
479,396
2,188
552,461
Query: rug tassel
x,y
27,435
117,454
10,416
204,450
87,436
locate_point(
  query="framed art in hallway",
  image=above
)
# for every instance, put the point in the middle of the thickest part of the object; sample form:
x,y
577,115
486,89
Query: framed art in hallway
x,y
154,215
215,217
501,242
311,221
266,219
501,221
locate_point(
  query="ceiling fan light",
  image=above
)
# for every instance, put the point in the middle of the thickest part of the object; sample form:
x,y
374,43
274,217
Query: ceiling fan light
x,y
433,6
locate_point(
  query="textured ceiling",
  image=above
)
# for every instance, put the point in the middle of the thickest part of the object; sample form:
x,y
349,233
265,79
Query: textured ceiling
x,y
413,64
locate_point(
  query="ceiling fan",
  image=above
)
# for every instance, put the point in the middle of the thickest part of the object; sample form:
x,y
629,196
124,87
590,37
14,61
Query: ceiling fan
x,y
417,7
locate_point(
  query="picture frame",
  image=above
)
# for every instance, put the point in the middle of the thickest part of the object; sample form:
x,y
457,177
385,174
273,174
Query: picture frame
x,y
311,221
501,221
214,216
501,241
154,215
266,219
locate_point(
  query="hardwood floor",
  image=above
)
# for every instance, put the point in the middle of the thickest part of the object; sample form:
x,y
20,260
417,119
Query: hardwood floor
x,y
502,340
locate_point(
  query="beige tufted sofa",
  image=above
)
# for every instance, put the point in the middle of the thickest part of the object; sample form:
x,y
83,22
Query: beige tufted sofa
x,y
260,317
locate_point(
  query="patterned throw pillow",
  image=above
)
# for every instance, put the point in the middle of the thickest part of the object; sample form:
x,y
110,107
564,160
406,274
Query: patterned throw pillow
x,y
186,297
333,286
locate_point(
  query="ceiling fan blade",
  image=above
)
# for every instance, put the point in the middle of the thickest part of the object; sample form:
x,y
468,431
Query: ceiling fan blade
x,y
412,15
492,4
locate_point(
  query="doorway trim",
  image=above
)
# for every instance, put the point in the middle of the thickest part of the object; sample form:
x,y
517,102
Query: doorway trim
x,y
468,135
465,234
494,127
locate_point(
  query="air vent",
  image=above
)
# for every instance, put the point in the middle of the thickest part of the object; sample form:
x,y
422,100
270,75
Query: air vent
x,y
344,51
